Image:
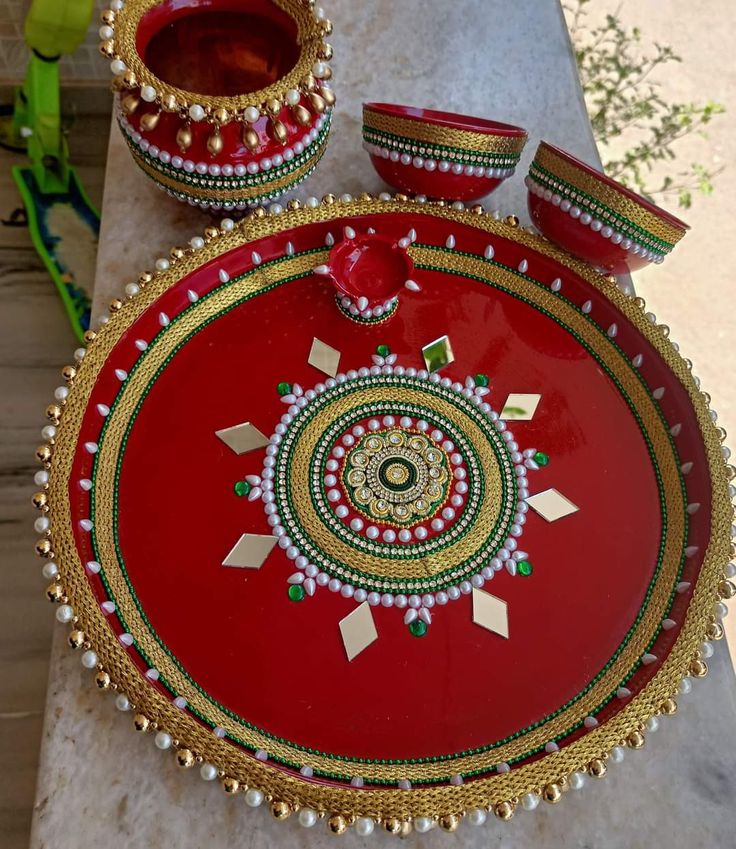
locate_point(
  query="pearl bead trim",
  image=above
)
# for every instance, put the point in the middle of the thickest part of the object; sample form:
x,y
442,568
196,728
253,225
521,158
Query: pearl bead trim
x,y
443,166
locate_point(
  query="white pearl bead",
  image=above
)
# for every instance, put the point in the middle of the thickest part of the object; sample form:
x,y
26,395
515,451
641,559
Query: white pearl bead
x,y
577,780
293,97
617,754
364,826
162,264
122,702
477,816
251,114
529,801
61,393
652,724
42,477
253,797
686,686
89,659
50,571
196,112
208,772
64,613
40,526
706,650
148,93
105,32
162,740
48,432
307,817
423,824
117,66
319,69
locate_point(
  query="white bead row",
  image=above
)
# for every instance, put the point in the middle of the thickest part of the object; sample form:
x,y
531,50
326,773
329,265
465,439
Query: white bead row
x,y
441,165
595,224
368,312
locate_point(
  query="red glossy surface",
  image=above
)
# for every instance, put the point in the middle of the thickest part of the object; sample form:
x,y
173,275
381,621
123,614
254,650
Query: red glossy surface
x,y
370,266
281,665
433,184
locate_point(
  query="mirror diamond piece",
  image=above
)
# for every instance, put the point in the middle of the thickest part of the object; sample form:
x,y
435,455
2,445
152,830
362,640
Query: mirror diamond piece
x,y
438,354
520,407
250,551
490,612
242,437
324,357
358,630
551,505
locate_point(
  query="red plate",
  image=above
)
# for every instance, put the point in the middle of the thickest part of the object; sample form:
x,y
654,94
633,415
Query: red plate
x,y
364,580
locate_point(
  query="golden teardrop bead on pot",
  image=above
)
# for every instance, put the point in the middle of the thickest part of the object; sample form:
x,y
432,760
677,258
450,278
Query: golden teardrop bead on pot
x,y
215,143
551,793
221,115
185,758
327,74
726,589
43,454
392,825
53,411
504,811
698,669
169,103
635,740
449,822
273,106
107,47
317,102
129,79
130,103
325,52
107,16
277,130
115,305
715,631
250,137
184,137
89,336
280,810
43,548
337,824
230,785
54,592
301,114
597,768
141,722
328,95
669,706
77,639
150,120
102,680
309,82
40,500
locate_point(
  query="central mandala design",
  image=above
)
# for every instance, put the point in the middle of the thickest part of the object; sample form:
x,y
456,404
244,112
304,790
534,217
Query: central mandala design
x,y
396,475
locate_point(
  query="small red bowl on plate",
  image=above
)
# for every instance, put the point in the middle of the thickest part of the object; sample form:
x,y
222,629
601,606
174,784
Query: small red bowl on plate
x,y
439,154
594,217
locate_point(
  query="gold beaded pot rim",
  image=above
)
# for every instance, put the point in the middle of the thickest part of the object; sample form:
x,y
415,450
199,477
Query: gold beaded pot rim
x,y
433,132
608,192
309,37
390,802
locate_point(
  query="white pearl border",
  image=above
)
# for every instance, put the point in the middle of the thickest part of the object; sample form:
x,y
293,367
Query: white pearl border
x,y
441,165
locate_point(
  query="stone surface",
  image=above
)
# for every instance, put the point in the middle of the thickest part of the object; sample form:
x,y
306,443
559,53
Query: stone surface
x,y
99,783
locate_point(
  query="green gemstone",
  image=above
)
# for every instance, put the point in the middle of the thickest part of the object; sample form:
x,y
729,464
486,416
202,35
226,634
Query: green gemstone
x,y
383,350
283,388
242,488
481,380
296,592
525,568
540,458
418,628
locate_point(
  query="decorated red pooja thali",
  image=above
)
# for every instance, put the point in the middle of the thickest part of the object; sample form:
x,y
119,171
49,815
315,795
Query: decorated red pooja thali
x,y
386,512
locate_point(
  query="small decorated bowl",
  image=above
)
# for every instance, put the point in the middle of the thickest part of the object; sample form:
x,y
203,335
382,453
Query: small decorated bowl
x,y
223,103
594,217
439,154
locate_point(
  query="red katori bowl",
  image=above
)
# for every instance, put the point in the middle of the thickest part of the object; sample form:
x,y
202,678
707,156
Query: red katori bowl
x,y
594,217
439,154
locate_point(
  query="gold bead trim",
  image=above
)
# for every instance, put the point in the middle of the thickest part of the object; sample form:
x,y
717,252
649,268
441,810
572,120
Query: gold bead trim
x,y
380,804
607,195
422,131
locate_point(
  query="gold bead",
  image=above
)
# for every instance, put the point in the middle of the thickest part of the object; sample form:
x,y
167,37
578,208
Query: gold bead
x,y
107,47
328,199
150,120
449,822
89,336
504,811
102,679
169,103
251,139
726,589
669,706
115,305
184,138
145,277
107,16
317,102
293,204
597,768
211,233
54,592
563,783
402,197
325,52
511,220
366,196
309,82
68,373
215,144
129,79
551,793
326,26
392,825
258,212
230,785
185,758
177,253
698,669
328,95
43,453
337,824
141,722
77,639
714,631
274,106
635,740
53,413
130,103
301,114
280,810
40,501
221,115
277,130
43,548
406,828
477,209
327,75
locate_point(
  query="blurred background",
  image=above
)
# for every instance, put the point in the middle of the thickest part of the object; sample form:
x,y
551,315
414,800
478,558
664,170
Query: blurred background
x,y
659,80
